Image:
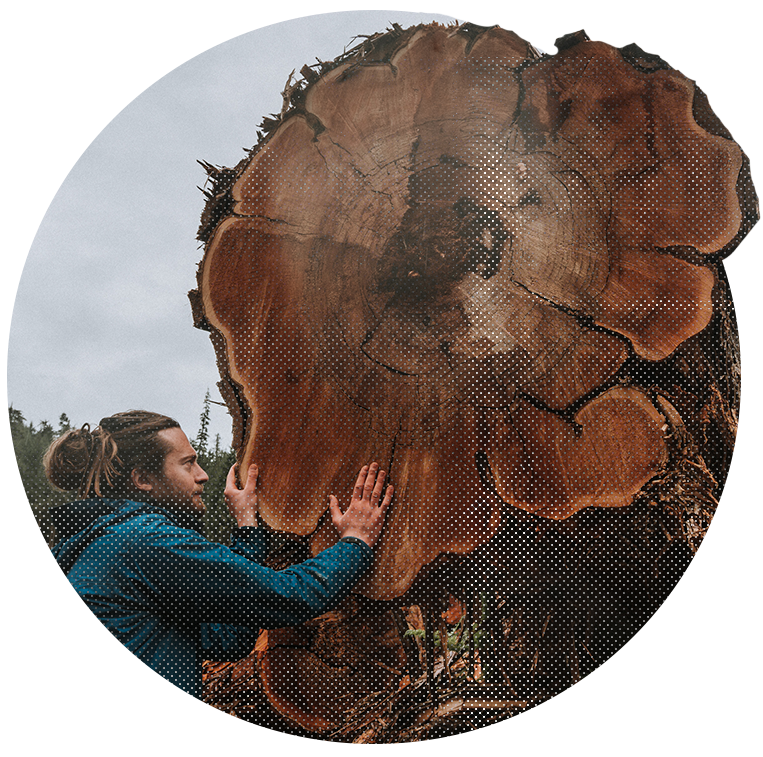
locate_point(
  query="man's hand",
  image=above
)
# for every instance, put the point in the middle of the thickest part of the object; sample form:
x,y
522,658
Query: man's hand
x,y
242,503
364,518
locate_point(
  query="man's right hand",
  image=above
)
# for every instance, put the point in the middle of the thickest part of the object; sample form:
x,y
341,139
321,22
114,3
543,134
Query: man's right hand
x,y
242,503
364,517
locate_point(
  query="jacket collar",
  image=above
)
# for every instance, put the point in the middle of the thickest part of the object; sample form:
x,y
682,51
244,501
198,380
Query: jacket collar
x,y
74,517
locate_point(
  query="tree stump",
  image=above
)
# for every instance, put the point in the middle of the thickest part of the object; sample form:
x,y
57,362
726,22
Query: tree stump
x,y
499,274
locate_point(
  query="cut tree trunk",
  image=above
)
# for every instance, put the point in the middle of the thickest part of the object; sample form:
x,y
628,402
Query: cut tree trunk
x,y
499,274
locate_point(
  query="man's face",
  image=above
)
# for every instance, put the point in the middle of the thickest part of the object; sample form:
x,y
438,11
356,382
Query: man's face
x,y
181,482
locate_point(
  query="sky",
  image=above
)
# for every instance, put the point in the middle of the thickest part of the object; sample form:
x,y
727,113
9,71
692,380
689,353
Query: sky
x,y
102,321
108,108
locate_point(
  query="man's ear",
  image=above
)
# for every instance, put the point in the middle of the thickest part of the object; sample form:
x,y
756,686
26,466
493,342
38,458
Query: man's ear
x,y
142,480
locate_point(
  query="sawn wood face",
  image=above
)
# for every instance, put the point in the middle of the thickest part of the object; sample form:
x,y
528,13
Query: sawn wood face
x,y
442,257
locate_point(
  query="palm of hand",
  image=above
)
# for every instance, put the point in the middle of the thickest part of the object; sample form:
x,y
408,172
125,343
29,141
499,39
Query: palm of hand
x,y
364,517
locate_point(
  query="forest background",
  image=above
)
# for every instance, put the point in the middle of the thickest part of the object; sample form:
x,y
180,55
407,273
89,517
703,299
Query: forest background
x,y
30,441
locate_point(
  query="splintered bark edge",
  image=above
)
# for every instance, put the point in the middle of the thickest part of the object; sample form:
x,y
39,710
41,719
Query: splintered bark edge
x,y
337,344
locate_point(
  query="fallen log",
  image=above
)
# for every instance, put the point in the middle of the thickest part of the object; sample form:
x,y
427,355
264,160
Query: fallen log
x,y
498,273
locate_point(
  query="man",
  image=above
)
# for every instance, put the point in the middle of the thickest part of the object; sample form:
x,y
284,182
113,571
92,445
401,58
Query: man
x,y
168,594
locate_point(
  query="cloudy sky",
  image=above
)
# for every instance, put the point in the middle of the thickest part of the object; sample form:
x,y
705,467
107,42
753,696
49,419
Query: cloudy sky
x,y
101,322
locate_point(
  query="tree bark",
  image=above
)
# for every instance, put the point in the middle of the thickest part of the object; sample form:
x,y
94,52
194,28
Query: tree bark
x,y
499,274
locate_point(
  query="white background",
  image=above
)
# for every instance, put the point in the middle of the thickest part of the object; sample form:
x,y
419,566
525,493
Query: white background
x,y
687,684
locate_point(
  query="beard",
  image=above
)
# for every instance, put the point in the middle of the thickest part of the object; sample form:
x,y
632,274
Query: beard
x,y
187,517
187,508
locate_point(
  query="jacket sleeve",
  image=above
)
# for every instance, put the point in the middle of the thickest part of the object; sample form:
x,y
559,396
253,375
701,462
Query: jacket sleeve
x,y
250,542
210,583
224,642
220,641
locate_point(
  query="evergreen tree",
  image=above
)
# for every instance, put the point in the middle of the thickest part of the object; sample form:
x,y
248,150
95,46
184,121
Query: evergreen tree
x,y
64,424
201,442
30,443
218,523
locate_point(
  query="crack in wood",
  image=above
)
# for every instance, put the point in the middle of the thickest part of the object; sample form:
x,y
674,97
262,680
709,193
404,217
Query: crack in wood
x,y
547,136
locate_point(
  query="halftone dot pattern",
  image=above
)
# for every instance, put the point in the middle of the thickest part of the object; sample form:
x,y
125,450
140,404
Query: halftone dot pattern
x,y
499,274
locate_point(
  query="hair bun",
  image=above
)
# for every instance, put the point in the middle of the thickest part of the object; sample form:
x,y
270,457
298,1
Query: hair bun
x,y
66,461
100,462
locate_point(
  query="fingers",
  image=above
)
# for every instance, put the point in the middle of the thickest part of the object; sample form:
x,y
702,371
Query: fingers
x,y
231,485
387,499
251,478
336,511
231,481
366,482
357,492
378,488
364,518
368,487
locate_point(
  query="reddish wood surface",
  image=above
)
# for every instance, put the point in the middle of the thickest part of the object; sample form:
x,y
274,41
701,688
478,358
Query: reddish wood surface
x,y
498,274
440,259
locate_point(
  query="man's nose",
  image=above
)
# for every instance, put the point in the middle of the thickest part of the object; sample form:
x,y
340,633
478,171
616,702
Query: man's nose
x,y
201,476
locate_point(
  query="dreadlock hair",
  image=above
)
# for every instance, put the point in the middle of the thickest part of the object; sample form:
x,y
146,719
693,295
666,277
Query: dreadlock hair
x,y
100,462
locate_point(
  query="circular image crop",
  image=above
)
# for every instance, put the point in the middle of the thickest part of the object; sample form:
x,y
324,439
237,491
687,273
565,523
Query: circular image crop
x,y
463,388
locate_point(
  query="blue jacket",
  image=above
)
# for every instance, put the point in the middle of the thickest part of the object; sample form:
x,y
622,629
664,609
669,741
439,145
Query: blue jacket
x,y
173,598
